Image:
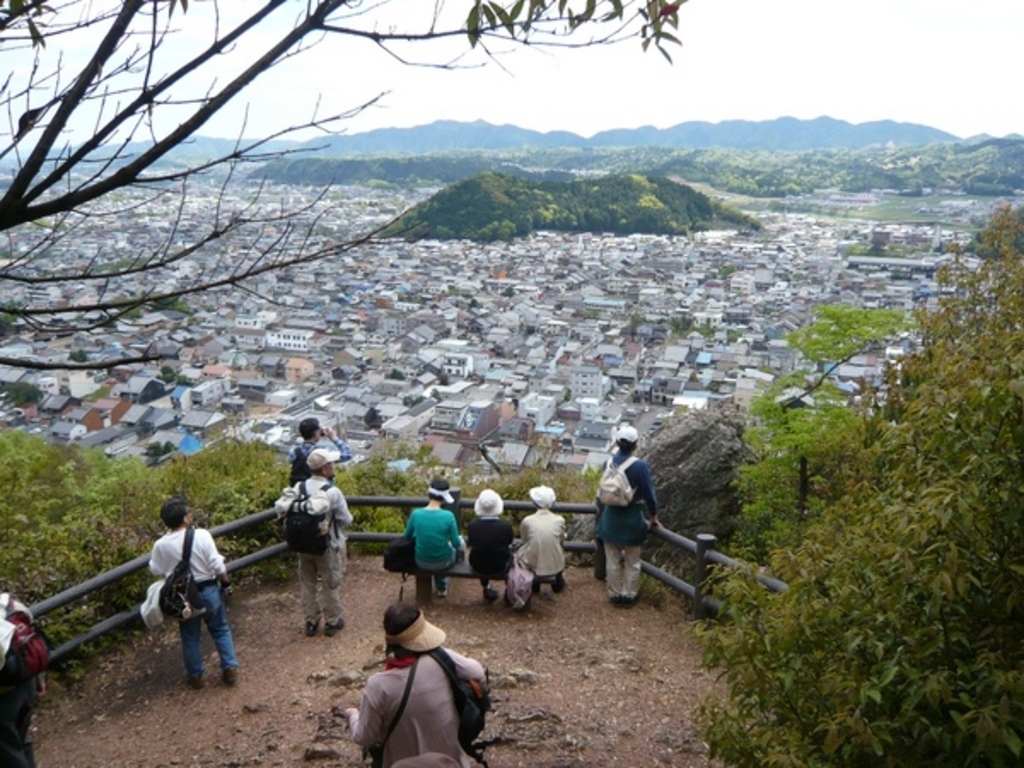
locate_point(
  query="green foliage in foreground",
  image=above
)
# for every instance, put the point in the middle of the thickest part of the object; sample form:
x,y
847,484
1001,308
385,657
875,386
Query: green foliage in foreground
x,y
900,641
496,206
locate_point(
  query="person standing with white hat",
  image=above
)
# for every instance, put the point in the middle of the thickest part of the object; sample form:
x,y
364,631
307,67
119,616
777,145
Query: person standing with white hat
x,y
623,529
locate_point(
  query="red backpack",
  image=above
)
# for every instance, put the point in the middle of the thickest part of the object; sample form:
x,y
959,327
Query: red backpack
x,y
28,653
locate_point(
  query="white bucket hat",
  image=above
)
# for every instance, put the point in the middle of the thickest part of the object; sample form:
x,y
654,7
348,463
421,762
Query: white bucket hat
x,y
488,504
543,496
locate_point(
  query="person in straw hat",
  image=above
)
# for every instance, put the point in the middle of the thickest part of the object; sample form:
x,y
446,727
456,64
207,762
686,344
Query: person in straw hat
x,y
428,722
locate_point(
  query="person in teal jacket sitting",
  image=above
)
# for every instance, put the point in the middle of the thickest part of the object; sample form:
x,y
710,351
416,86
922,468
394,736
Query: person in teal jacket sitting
x,y
436,533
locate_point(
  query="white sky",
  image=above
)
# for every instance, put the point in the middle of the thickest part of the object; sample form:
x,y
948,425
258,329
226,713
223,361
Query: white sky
x,y
946,64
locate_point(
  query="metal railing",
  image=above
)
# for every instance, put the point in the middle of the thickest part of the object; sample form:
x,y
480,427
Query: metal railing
x,y
702,549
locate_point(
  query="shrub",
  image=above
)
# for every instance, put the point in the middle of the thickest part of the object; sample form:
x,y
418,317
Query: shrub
x,y
900,641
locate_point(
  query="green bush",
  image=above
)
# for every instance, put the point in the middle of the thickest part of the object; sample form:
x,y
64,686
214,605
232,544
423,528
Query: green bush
x,y
900,641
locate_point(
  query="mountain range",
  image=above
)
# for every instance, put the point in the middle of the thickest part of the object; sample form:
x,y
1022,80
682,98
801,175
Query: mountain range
x,y
784,133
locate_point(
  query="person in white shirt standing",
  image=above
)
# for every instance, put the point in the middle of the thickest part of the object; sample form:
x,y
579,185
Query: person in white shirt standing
x,y
211,576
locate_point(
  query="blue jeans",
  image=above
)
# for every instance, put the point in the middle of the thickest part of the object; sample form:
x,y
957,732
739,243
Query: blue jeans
x,y
216,618
440,582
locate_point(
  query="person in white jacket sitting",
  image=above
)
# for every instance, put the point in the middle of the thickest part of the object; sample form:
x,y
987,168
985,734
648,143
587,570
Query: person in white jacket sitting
x,y
542,534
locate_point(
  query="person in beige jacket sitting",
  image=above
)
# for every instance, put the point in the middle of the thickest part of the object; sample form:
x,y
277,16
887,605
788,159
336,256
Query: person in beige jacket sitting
x,y
542,535
428,722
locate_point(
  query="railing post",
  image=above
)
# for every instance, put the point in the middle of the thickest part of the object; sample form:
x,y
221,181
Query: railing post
x,y
455,507
705,542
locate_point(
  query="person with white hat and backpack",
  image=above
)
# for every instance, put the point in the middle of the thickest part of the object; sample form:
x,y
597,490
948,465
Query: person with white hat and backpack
x,y
623,527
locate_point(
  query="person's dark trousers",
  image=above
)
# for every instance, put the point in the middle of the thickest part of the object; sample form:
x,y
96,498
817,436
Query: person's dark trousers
x,y
600,566
15,713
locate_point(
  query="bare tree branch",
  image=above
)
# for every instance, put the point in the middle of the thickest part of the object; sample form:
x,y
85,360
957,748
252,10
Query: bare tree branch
x,y
89,140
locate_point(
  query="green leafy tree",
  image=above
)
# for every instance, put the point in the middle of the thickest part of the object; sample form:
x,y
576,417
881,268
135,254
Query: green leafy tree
x,y
807,439
900,641
24,393
78,356
496,206
635,321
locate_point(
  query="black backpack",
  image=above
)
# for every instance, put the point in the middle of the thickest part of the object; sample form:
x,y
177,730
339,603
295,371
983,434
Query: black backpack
x,y
472,702
304,530
179,596
300,466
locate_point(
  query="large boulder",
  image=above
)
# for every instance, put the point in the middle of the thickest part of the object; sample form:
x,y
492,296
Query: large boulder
x,y
695,460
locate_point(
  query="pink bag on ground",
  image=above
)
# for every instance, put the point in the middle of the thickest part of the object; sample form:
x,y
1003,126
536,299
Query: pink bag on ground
x,y
518,586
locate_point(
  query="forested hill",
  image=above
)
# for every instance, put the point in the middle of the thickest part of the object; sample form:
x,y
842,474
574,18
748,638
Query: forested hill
x,y
495,206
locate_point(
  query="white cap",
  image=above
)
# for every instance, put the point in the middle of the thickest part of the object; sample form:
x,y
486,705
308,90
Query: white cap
x,y
321,456
628,433
543,496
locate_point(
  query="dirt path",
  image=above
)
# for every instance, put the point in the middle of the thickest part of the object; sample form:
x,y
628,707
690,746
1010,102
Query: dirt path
x,y
577,682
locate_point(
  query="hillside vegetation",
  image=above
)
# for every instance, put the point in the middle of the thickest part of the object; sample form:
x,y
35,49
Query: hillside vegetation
x,y
493,206
993,167
900,641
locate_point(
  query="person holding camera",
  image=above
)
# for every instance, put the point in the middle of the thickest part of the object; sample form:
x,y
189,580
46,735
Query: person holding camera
x,y
312,434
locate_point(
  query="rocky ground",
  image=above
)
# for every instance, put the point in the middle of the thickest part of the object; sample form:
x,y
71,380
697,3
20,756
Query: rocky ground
x,y
576,682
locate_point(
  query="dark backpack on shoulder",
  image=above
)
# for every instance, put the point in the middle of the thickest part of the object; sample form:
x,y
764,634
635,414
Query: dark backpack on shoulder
x,y
472,702
300,466
306,529
179,596
29,652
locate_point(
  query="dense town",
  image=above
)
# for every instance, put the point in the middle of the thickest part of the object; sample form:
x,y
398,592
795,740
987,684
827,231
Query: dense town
x,y
489,353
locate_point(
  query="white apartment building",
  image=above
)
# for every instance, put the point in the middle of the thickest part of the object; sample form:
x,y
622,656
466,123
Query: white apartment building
x,y
249,338
393,325
458,364
448,414
292,339
588,381
540,408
